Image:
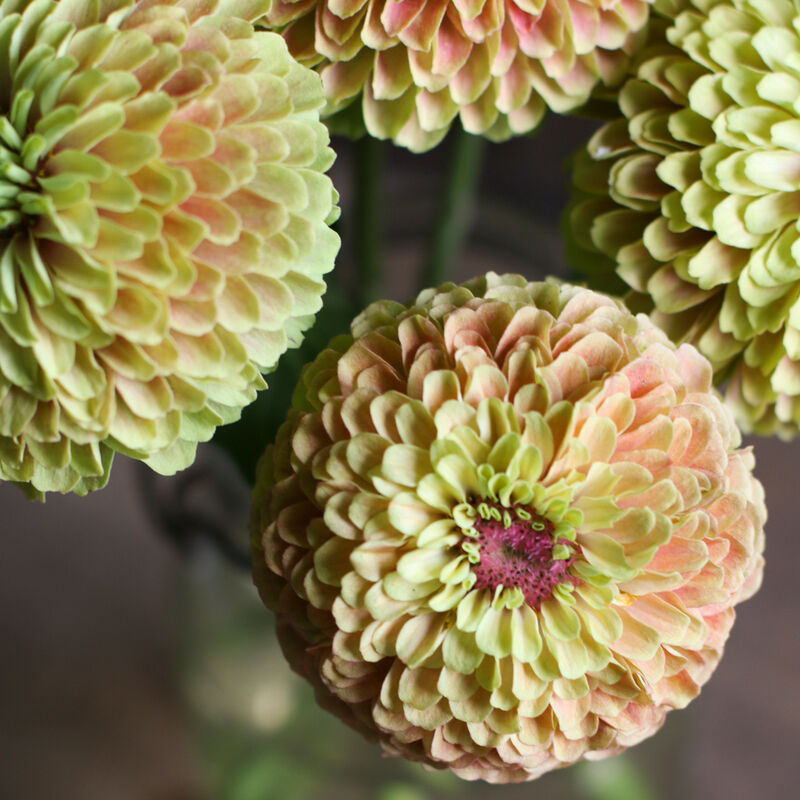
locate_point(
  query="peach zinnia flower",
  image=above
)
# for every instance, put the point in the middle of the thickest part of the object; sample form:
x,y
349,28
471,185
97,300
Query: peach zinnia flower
x,y
504,527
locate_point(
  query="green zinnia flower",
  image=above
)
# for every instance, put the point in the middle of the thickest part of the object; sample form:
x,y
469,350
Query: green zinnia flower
x,y
163,228
695,196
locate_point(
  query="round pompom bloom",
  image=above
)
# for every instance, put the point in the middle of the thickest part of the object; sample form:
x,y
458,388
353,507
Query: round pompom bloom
x,y
413,65
695,196
163,228
504,527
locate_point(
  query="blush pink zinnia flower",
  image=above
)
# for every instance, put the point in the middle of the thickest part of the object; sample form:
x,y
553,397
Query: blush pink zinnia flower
x,y
414,65
504,527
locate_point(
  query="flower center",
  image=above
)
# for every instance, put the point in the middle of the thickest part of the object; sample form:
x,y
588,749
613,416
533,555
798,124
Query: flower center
x,y
513,548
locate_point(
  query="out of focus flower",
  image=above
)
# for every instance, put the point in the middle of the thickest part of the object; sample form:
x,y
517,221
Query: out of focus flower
x,y
695,197
504,527
163,228
414,65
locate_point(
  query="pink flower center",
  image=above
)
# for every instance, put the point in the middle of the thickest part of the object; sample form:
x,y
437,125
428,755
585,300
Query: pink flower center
x,y
520,555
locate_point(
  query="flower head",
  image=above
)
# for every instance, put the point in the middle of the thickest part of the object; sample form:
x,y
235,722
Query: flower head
x,y
162,227
504,527
414,65
695,196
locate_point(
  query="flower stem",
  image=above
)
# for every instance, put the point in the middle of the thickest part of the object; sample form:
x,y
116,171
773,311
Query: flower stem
x,y
368,218
456,206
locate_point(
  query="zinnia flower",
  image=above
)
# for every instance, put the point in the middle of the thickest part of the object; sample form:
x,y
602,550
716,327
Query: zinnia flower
x,y
163,228
695,196
413,65
504,527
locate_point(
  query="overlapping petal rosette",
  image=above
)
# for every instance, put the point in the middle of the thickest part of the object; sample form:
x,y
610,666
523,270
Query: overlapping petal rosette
x,y
504,527
695,196
414,65
163,231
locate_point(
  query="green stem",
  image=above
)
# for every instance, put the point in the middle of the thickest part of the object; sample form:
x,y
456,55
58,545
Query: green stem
x,y
456,206
368,218
618,778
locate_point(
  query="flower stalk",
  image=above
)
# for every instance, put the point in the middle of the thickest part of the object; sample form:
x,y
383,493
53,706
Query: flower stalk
x,y
368,217
456,206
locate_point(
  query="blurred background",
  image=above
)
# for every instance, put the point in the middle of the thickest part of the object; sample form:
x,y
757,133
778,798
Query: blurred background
x,y
137,662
